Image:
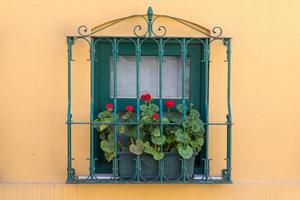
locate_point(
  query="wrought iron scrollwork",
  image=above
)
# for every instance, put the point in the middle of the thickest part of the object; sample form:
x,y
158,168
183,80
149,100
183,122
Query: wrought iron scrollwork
x,y
82,30
149,29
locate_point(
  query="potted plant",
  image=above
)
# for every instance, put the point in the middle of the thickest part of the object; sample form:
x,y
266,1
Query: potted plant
x,y
128,144
181,140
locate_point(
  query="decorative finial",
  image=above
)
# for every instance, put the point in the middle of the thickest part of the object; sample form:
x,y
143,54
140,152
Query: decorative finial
x,y
150,12
150,17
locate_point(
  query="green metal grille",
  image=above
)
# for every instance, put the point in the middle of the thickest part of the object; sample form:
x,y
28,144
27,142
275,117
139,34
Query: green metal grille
x,y
161,40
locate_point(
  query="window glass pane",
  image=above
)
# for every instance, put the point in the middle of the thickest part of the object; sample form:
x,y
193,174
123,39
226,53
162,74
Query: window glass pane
x,y
149,77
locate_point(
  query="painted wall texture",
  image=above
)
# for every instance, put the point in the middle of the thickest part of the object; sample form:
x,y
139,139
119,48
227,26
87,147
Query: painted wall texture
x,y
265,98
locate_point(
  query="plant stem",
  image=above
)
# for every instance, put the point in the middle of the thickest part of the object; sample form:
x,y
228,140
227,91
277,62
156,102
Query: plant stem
x,y
120,145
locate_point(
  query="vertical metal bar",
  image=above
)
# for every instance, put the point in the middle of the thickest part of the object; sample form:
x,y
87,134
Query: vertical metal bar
x,y
92,159
70,41
115,60
183,63
206,58
229,116
161,54
138,59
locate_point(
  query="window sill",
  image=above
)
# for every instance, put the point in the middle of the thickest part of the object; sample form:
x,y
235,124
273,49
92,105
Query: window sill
x,y
108,179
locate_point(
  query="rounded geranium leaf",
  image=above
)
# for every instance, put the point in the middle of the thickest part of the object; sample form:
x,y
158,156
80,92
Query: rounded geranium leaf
x,y
137,148
110,137
159,140
154,107
195,113
109,156
182,136
165,120
196,127
158,155
156,132
185,152
107,146
102,135
143,107
102,127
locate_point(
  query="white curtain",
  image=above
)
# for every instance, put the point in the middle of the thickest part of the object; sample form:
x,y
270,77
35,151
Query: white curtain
x,y
149,77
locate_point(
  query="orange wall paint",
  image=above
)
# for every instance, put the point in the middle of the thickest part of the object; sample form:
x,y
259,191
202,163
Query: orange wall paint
x,y
265,97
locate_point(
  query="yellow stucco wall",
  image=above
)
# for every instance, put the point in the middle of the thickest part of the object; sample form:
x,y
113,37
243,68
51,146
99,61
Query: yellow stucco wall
x,y
265,97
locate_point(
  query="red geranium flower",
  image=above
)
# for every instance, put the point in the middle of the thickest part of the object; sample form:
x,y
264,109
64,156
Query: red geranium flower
x,y
129,108
170,103
146,97
109,106
155,116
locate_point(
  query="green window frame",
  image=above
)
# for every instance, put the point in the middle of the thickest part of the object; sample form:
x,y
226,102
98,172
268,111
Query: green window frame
x,y
198,80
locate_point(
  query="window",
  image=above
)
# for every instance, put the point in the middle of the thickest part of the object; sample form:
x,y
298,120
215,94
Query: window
x,y
149,76
174,69
149,81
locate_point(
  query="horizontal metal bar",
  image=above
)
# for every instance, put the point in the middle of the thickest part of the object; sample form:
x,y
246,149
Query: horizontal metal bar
x,y
107,179
132,37
136,123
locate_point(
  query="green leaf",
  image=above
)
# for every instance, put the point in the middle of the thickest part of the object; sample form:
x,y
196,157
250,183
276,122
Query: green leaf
x,y
154,107
159,140
130,131
176,118
143,107
188,122
158,155
182,136
185,152
146,144
121,129
148,148
104,126
96,125
156,132
125,116
110,138
107,146
169,130
137,148
200,141
165,120
179,107
109,156
102,135
197,143
146,119
105,114
196,127
195,113
147,113
170,139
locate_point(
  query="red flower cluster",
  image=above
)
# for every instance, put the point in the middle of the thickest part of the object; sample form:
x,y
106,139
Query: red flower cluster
x,y
146,97
170,103
129,108
109,106
155,116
